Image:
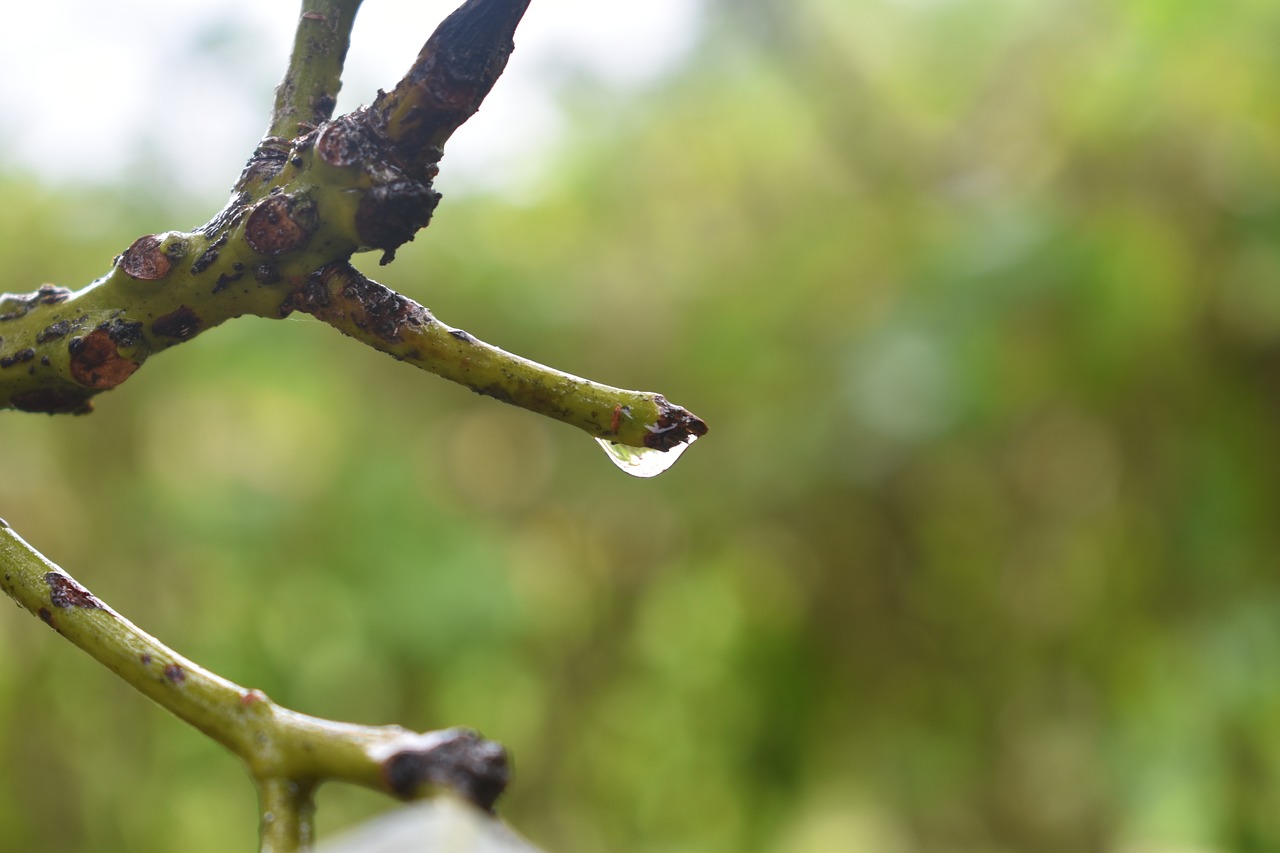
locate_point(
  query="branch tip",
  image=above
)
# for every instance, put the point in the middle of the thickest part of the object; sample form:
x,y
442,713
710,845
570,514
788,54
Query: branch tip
x,y
459,760
452,75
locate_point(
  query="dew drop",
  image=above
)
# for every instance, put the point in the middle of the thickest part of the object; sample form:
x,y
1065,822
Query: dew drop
x,y
643,461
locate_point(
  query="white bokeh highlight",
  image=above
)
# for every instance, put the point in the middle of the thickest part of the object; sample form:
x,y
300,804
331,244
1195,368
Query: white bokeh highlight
x,y
140,90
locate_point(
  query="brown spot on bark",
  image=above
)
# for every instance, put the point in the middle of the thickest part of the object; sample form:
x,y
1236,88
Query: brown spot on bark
x,y
250,697
124,333
380,309
20,357
675,426
280,224
228,217
264,164
465,337
95,363
494,390
53,331
175,673
47,617
312,297
266,274
475,768
64,592
48,294
343,142
181,324
210,255
322,106
145,659
207,259
52,401
18,305
226,279
390,214
145,260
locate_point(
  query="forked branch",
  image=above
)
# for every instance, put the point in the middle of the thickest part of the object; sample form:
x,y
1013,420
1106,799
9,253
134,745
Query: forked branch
x,y
314,192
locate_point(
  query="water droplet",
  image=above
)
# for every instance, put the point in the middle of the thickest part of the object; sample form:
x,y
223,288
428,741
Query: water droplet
x,y
643,461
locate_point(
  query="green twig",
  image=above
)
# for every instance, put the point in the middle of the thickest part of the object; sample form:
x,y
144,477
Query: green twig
x,y
383,319
286,752
361,181
309,91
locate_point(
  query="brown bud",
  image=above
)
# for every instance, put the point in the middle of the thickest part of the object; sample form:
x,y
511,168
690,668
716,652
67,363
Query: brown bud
x,y
182,324
145,260
279,224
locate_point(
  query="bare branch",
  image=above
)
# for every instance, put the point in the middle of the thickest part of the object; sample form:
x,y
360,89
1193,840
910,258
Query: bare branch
x,y
451,77
288,753
310,87
378,316
361,181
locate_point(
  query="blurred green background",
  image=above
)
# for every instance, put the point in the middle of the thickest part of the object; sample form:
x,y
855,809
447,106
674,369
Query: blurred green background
x,y
981,300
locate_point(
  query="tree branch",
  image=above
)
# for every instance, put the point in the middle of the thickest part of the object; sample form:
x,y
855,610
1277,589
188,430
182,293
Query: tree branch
x,y
309,91
359,182
451,77
383,319
288,753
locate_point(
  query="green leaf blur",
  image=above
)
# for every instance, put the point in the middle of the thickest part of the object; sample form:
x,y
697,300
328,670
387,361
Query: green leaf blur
x,y
981,301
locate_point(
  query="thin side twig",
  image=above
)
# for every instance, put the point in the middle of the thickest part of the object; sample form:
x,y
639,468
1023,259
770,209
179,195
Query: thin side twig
x,y
376,315
309,91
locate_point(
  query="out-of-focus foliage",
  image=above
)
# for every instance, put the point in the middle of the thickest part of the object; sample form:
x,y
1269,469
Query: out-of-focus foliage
x,y
982,302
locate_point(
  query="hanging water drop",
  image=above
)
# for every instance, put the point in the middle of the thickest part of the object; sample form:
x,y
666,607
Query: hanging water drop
x,y
643,461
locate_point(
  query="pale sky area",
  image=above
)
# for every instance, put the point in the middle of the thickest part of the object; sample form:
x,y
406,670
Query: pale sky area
x,y
139,88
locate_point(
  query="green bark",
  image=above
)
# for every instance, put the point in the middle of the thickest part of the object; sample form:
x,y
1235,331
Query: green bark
x,y
287,753
301,208
315,191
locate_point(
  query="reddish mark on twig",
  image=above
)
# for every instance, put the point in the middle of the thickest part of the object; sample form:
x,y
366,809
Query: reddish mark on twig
x,y
65,592
96,363
145,658
252,696
175,673
145,260
314,16
279,224
181,324
617,419
47,618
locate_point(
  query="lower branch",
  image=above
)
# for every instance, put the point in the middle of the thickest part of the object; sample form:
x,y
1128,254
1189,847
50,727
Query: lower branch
x,y
286,752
